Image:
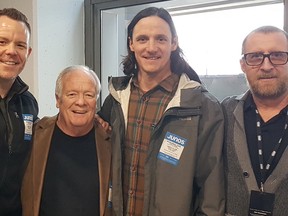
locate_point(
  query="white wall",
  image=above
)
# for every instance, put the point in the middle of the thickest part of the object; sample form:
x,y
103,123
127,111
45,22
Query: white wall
x,y
57,42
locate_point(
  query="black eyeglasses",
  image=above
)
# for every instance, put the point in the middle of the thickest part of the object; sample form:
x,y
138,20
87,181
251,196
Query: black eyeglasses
x,y
256,59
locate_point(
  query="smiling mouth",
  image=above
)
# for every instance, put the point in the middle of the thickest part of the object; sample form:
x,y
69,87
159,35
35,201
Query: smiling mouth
x,y
79,112
152,58
9,62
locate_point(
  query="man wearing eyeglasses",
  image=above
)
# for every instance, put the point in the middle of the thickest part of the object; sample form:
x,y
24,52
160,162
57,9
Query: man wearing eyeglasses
x,y
255,149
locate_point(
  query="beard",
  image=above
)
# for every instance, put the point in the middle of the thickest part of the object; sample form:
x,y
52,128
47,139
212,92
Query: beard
x,y
269,91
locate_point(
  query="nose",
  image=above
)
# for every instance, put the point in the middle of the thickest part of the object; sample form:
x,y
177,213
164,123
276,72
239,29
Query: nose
x,y
80,100
152,46
10,48
266,64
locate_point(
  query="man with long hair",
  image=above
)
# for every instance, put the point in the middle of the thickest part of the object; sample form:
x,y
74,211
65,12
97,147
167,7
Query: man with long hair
x,y
167,130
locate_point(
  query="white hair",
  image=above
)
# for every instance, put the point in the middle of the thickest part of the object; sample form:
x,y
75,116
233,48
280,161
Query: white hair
x,y
59,84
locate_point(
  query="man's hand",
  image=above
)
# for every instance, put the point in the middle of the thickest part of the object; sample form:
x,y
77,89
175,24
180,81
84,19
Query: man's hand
x,y
103,123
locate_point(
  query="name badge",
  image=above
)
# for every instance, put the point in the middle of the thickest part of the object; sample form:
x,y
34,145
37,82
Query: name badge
x,y
172,148
28,124
261,203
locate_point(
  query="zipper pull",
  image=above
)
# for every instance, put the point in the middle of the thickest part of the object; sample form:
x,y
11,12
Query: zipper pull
x,y
262,187
110,195
10,149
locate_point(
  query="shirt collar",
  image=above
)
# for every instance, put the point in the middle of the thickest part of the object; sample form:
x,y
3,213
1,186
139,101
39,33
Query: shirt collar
x,y
250,104
169,84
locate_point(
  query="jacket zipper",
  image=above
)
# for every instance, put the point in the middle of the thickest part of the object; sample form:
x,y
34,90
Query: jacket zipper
x,y
10,131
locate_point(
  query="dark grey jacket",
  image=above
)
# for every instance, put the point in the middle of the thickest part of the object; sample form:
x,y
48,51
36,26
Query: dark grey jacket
x,y
238,169
196,185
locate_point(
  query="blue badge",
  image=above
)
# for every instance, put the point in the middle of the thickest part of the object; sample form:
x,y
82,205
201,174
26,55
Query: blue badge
x,y
172,148
28,124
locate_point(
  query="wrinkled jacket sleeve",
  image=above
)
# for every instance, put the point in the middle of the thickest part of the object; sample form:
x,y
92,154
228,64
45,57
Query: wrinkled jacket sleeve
x,y
210,199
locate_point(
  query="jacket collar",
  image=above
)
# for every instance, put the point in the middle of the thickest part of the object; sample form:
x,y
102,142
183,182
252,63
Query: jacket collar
x,y
18,87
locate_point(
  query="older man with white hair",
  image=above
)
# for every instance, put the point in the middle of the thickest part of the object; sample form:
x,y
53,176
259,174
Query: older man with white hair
x,y
69,170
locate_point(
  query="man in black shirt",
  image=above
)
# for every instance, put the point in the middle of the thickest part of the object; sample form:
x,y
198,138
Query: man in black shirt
x,y
68,173
255,149
18,109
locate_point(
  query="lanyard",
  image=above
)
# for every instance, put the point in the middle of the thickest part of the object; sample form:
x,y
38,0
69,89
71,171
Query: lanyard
x,y
264,170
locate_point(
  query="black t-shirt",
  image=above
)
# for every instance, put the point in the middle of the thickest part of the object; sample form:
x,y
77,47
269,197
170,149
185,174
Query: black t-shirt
x,y
71,183
271,131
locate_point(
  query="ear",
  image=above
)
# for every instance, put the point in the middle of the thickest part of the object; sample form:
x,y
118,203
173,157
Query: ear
x,y
174,43
131,44
29,51
243,65
57,101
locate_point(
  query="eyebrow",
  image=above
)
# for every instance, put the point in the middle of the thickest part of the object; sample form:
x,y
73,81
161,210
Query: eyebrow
x,y
157,35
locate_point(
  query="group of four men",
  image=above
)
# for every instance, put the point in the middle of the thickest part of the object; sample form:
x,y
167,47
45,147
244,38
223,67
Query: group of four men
x,y
164,155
